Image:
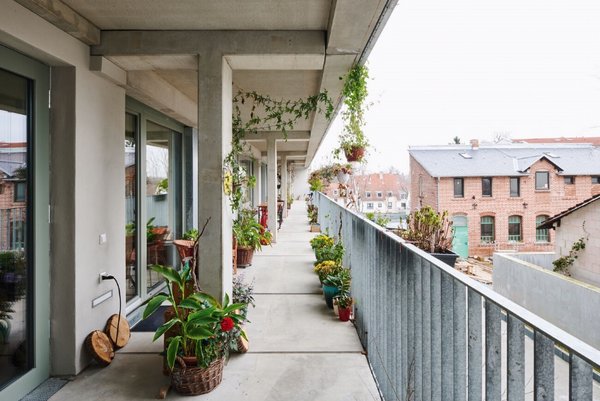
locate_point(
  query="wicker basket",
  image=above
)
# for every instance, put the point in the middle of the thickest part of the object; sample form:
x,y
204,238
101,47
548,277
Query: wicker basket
x,y
193,380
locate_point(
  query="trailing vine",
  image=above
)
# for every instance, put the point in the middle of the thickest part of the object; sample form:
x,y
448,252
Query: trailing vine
x,y
355,93
265,114
563,264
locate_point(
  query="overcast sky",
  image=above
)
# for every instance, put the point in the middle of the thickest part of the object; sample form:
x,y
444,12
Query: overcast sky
x,y
475,68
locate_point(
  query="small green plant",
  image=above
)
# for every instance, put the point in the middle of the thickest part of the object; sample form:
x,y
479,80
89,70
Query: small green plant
x,y
316,184
321,241
429,230
344,300
191,234
378,218
326,268
563,264
340,279
334,252
162,187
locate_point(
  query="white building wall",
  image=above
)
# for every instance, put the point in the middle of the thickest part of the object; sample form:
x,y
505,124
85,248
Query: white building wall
x,y
98,194
584,222
300,187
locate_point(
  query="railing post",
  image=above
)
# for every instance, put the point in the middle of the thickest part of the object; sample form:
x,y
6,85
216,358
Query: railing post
x,y
436,335
447,337
493,352
460,342
515,359
580,380
475,349
543,368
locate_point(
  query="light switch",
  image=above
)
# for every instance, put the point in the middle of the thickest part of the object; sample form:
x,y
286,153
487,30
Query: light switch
x,y
102,239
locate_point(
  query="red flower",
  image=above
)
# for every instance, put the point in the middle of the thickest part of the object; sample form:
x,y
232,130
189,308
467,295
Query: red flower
x,y
227,324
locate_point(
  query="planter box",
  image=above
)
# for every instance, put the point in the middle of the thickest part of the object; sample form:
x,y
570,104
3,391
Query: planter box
x,y
448,258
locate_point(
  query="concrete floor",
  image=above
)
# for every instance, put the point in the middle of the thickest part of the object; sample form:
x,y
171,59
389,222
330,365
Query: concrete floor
x,y
299,350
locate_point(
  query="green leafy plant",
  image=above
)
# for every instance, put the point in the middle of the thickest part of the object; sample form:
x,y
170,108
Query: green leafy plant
x,y
191,234
429,230
326,268
344,300
378,218
313,213
341,279
355,93
321,241
162,187
248,231
334,252
204,326
563,264
254,112
316,184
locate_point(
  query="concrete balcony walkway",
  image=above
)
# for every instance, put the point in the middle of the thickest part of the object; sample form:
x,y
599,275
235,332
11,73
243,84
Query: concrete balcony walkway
x,y
299,350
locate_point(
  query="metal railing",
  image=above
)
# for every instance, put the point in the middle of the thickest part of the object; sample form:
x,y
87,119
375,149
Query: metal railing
x,y
432,333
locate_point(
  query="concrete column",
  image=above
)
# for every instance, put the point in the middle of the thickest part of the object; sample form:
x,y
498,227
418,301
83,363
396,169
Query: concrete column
x,y
214,142
256,190
284,182
272,185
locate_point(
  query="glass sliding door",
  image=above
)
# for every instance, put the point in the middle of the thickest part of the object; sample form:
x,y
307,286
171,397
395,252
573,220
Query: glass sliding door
x,y
24,252
157,198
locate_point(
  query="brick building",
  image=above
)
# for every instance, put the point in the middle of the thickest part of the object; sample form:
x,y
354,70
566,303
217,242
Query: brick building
x,y
378,192
13,195
497,194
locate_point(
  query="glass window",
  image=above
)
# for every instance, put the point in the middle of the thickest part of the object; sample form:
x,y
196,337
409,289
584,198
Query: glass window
x,y
459,190
541,234
596,179
368,194
370,205
403,205
16,299
379,195
542,180
569,180
131,271
379,205
389,205
514,228
487,229
515,187
20,191
486,186
390,194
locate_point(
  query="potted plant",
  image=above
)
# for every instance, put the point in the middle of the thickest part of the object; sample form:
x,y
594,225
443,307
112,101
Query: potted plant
x,y
321,241
326,268
344,302
432,232
243,293
333,252
290,200
249,235
343,172
336,283
313,218
201,329
353,141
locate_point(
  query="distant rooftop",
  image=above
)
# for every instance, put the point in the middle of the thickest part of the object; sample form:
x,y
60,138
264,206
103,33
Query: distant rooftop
x,y
594,140
505,159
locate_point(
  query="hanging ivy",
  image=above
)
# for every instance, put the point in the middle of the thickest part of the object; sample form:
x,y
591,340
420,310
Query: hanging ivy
x,y
355,94
254,112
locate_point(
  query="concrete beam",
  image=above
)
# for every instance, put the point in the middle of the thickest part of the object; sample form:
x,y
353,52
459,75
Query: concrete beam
x,y
277,62
108,70
290,155
151,89
293,136
114,43
64,17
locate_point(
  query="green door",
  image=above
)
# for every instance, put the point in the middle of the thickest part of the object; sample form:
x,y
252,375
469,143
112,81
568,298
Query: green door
x,y
460,240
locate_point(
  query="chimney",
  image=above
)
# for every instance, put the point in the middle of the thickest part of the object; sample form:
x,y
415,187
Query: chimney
x,y
474,144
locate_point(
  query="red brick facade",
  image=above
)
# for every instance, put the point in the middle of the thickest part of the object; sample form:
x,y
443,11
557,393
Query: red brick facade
x,y
439,193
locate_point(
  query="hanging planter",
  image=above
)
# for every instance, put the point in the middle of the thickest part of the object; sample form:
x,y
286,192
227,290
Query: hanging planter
x,y
355,154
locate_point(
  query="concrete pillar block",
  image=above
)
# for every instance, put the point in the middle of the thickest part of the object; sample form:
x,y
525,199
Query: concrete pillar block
x,y
272,185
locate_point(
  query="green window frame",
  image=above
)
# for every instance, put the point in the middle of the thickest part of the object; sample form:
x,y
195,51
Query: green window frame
x,y
487,230
515,229
541,234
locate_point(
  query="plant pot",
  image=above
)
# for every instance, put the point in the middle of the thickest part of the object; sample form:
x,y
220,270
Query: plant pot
x,y
329,293
355,154
345,313
315,228
189,379
448,258
244,256
343,178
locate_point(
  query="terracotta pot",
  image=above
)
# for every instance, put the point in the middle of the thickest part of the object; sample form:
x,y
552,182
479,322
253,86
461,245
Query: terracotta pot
x,y
344,313
244,256
355,154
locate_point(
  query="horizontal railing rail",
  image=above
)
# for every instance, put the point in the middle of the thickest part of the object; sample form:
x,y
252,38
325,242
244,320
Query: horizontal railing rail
x,y
433,333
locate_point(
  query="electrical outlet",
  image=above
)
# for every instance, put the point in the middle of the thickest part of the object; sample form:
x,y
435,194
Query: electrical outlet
x,y
101,275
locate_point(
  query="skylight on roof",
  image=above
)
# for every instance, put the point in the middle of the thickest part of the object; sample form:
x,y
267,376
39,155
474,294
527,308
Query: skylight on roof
x,y
550,154
466,155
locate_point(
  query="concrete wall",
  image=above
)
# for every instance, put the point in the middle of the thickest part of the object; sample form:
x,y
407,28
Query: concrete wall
x,y
87,184
569,304
541,259
584,222
300,187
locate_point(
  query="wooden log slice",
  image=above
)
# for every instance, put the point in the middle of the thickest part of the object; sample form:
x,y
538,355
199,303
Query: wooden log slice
x,y
124,330
100,347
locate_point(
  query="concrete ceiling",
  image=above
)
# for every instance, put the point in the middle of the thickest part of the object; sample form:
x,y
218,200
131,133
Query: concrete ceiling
x,y
288,49
205,14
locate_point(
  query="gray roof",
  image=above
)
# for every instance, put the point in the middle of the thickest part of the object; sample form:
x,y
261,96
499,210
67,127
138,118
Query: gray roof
x,y
505,160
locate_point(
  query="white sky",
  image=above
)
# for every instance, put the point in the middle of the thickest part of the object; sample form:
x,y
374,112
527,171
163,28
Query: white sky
x,y
475,68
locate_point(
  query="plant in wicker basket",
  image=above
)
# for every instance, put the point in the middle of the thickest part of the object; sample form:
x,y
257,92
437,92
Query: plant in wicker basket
x,y
203,330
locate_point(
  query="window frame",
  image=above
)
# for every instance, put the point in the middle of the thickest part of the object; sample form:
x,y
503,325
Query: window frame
x,y
510,187
368,194
390,194
492,223
539,173
569,179
461,193
596,180
541,232
390,205
23,196
369,205
379,194
483,192
520,235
